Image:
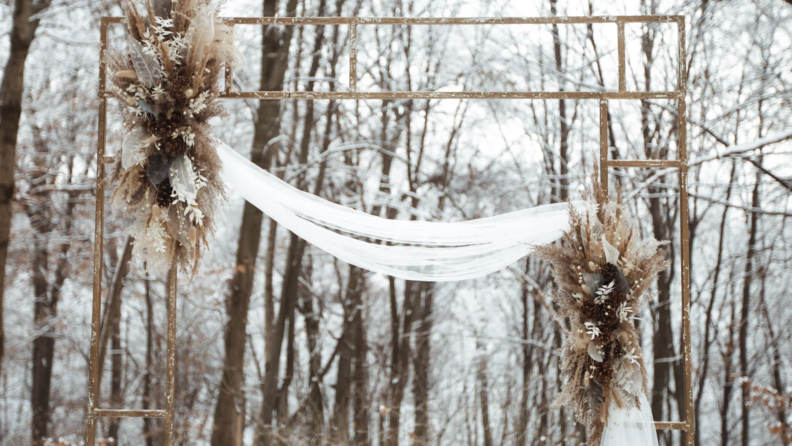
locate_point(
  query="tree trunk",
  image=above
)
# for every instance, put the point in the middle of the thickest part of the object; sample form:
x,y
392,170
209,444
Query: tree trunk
x,y
111,328
400,357
563,184
112,315
289,292
710,307
47,293
43,345
481,377
360,403
315,403
116,362
422,356
527,364
346,355
777,363
728,381
745,311
274,62
662,222
23,30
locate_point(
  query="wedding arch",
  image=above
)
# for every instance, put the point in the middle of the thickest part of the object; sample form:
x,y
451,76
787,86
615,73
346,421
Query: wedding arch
x,y
603,97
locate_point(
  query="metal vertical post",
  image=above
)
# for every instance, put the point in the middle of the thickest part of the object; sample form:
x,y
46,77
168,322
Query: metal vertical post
x,y
171,361
94,411
96,308
353,55
603,162
620,38
684,229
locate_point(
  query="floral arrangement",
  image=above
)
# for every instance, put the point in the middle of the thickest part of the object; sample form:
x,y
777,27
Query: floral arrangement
x,y
602,271
167,82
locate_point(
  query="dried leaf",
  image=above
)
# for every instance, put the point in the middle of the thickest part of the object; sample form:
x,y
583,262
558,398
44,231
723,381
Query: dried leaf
x,y
182,178
146,108
146,66
162,8
133,149
158,169
611,253
595,353
199,36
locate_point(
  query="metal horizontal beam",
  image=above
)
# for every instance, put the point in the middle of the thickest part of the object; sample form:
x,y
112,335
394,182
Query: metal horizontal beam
x,y
359,95
676,164
439,20
671,425
129,413
449,20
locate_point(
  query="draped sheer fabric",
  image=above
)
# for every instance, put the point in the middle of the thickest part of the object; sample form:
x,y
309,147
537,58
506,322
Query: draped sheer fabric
x,y
411,250
633,427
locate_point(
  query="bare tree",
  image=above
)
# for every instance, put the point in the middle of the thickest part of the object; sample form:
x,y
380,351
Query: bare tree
x,y
23,32
274,60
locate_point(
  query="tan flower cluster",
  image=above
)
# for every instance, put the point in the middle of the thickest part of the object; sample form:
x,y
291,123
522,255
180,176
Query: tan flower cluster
x,y
167,173
602,272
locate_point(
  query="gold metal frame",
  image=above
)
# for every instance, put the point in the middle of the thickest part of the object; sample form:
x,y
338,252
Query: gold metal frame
x,y
680,164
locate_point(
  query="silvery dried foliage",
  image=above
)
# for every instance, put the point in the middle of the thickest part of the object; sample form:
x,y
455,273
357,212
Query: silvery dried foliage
x,y
602,273
167,82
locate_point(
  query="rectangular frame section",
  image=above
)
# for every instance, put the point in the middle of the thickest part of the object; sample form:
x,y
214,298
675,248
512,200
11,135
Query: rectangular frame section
x,y
680,165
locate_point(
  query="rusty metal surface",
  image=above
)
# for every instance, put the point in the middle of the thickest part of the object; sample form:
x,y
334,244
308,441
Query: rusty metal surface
x,y
374,95
130,413
684,229
96,307
603,96
603,161
645,163
170,377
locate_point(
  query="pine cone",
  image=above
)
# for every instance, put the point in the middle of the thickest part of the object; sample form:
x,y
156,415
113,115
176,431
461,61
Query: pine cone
x,y
617,298
605,332
174,147
609,317
178,86
161,128
618,351
609,272
603,372
590,309
164,191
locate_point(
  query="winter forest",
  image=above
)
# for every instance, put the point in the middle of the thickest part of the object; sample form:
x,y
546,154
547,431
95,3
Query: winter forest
x,y
276,336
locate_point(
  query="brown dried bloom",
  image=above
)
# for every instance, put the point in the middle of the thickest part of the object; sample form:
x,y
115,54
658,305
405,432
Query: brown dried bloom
x,y
603,372
178,86
609,272
174,147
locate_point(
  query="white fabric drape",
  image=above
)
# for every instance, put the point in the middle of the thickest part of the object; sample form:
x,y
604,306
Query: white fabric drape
x,y
632,427
412,250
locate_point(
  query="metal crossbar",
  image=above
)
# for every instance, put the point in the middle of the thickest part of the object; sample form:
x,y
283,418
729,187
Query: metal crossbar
x,y
680,164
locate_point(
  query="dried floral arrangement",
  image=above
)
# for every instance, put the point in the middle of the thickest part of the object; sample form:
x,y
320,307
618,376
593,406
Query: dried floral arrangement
x,y
602,271
167,82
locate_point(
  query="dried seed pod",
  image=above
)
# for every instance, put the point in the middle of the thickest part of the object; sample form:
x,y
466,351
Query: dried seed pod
x,y
126,74
617,398
192,234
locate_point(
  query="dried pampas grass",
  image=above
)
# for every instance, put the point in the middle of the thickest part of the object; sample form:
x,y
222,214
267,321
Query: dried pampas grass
x,y
167,81
602,272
